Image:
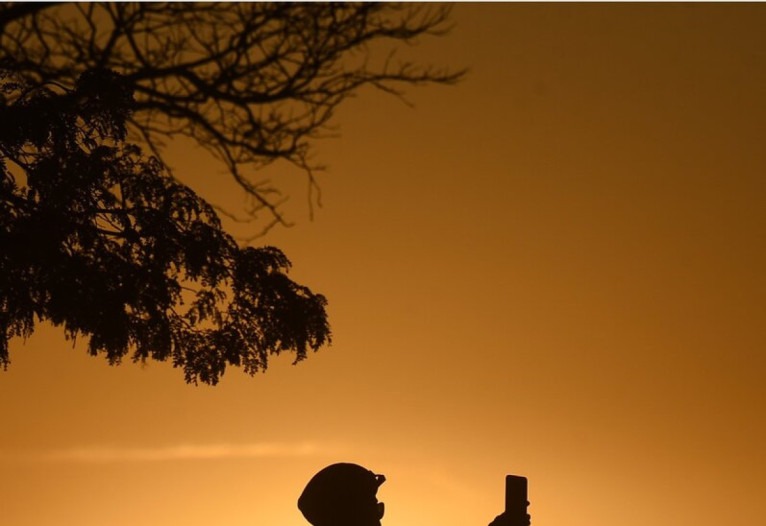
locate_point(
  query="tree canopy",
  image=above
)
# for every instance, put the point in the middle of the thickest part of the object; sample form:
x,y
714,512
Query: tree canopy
x,y
96,232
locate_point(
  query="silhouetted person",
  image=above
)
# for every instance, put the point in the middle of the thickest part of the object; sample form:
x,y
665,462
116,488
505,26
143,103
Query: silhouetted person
x,y
342,495
345,494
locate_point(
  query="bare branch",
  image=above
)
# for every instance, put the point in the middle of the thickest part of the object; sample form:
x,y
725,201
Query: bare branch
x,y
253,83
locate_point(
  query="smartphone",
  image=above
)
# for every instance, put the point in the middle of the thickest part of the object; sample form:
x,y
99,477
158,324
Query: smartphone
x,y
516,499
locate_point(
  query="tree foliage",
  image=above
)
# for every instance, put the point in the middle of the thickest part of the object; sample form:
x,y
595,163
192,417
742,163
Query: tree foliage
x,y
101,240
100,237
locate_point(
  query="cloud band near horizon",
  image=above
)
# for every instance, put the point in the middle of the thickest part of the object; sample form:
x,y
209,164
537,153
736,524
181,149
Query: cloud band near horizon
x,y
106,454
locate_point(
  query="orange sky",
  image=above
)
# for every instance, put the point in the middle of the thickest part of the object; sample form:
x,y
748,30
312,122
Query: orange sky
x,y
554,269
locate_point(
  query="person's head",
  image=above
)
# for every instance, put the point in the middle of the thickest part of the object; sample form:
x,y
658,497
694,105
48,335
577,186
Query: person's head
x,y
342,495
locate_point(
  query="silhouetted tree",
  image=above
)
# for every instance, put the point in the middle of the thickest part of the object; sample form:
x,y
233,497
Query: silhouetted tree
x,y
101,238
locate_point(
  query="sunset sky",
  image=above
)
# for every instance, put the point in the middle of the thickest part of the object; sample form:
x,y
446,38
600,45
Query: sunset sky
x,y
553,269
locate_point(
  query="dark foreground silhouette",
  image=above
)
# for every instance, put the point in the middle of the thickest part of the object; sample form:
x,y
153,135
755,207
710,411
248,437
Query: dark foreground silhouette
x,y
345,494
